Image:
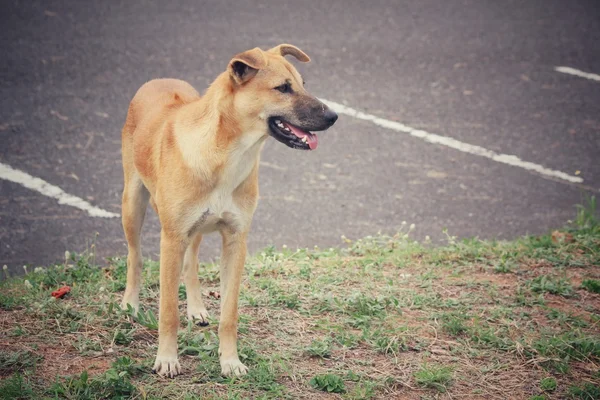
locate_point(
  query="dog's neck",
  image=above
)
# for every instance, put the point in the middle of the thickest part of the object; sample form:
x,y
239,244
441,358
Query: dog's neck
x,y
212,133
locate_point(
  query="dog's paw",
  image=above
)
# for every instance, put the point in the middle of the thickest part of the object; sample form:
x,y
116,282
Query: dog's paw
x,y
233,367
166,366
199,317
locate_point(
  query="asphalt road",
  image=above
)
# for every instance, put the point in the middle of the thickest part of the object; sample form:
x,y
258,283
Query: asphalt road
x,y
479,71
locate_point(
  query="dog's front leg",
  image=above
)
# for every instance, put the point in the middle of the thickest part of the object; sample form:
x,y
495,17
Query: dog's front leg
x,y
232,267
172,250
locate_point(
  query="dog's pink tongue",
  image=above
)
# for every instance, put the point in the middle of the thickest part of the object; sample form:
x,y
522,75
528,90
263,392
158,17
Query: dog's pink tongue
x,y
311,138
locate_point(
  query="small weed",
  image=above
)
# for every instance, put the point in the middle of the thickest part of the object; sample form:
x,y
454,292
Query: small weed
x,y
386,344
504,266
319,348
591,285
263,376
525,298
147,319
362,305
454,323
586,391
489,337
538,397
123,336
16,387
9,302
586,218
363,390
570,345
345,338
556,366
18,331
288,300
434,376
192,344
17,361
548,384
87,346
549,284
114,383
328,383
566,319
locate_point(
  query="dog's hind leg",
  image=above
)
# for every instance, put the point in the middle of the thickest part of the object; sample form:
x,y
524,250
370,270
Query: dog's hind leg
x,y
196,310
135,202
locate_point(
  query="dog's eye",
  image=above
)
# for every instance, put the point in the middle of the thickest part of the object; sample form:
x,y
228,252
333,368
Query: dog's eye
x,y
285,88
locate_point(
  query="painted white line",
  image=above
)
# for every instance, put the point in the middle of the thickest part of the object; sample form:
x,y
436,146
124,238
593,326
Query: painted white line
x,y
576,72
452,143
39,185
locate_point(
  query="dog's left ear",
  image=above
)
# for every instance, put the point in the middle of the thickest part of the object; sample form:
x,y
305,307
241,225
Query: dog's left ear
x,y
288,49
245,66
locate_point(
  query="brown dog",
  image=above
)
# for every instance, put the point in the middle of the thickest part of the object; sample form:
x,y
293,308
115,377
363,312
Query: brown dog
x,y
196,160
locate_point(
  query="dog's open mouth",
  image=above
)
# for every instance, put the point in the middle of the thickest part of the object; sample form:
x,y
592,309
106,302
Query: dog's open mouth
x,y
291,135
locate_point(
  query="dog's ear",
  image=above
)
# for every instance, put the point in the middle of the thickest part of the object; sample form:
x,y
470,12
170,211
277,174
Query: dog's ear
x,y
245,65
288,49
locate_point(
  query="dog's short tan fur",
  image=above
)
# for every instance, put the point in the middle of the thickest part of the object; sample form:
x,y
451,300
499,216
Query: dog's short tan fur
x,y
195,159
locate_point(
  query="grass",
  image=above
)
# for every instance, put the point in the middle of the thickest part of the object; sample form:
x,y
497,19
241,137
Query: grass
x,y
328,383
548,384
436,377
383,317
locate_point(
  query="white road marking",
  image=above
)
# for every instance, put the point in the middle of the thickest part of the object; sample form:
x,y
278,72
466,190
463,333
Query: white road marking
x,y
39,185
576,72
452,143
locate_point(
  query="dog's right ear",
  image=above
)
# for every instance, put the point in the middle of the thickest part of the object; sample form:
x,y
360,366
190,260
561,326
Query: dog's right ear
x,y
245,66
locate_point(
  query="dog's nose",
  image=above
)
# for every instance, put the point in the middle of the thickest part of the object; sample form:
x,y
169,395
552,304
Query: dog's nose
x,y
331,116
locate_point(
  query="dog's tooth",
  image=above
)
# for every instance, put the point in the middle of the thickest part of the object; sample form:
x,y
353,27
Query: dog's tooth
x,y
304,139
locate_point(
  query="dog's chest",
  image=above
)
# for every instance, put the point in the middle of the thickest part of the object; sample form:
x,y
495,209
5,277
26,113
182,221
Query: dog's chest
x,y
219,210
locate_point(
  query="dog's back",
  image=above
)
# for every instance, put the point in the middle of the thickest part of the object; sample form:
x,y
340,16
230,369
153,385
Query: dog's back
x,y
155,98
150,107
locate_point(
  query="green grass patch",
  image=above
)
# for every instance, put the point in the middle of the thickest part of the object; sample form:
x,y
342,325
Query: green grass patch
x,y
591,285
328,383
548,384
434,376
585,391
550,284
383,317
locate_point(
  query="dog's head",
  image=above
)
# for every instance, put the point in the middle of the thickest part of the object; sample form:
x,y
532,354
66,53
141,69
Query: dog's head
x,y
270,94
